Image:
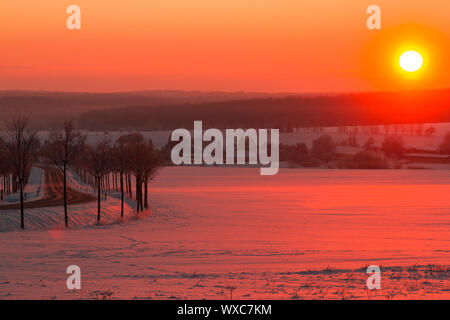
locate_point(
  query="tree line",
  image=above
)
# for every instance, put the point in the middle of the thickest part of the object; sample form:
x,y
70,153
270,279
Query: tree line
x,y
370,156
284,113
129,157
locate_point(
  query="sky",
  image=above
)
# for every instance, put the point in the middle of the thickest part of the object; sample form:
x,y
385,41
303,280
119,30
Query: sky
x,y
221,45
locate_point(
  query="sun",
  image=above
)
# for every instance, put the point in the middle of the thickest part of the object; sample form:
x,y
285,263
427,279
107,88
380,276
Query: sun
x,y
411,61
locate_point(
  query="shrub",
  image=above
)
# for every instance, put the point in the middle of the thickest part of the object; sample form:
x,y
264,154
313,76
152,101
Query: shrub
x,y
309,162
393,146
293,153
323,148
364,160
444,147
370,143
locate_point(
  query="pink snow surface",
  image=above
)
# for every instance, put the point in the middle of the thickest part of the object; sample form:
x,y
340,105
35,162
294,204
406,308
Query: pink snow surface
x,y
301,234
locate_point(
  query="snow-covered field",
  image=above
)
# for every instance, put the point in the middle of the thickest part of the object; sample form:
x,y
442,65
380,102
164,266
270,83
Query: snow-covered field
x,y
214,232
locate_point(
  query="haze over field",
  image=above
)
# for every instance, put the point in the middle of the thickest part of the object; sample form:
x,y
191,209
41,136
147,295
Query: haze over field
x,y
168,110
51,108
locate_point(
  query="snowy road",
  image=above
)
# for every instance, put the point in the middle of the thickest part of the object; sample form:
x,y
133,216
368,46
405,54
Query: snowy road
x,y
53,189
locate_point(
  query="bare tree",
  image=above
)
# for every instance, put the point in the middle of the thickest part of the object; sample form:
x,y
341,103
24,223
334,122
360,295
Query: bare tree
x,y
138,157
145,161
5,168
21,144
122,165
98,161
152,163
62,148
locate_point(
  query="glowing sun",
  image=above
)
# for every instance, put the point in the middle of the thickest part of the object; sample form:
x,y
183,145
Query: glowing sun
x,y
411,61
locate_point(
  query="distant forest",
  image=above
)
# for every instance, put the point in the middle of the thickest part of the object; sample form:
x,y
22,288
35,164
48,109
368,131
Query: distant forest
x,y
170,110
49,109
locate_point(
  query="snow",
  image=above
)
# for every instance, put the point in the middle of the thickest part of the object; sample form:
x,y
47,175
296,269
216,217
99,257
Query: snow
x,y
302,234
75,182
160,138
33,189
80,215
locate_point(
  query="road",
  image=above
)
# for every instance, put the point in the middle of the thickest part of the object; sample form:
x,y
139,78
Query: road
x,y
53,193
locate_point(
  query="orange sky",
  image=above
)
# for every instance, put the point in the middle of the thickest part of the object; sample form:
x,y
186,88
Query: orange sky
x,y
265,45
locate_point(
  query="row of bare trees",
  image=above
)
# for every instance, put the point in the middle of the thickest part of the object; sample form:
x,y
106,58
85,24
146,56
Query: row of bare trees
x,y
129,156
20,150
62,148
